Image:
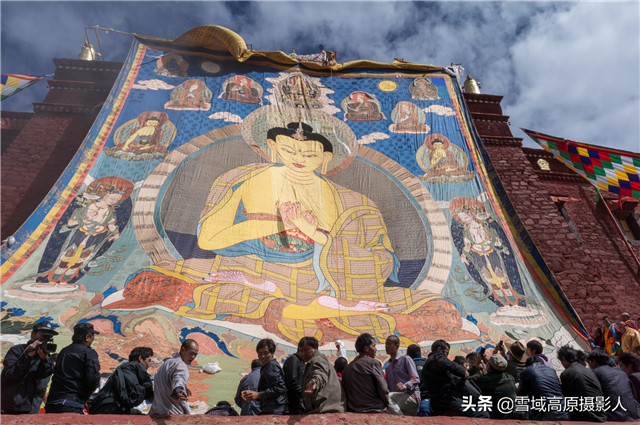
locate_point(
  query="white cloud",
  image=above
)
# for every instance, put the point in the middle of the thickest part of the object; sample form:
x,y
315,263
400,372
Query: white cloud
x,y
440,110
152,85
579,79
562,67
372,138
226,116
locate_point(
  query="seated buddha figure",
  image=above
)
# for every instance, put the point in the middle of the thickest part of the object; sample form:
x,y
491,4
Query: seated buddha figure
x,y
300,254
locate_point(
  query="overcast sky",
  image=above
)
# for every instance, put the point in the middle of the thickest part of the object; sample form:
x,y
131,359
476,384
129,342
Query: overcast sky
x,y
569,69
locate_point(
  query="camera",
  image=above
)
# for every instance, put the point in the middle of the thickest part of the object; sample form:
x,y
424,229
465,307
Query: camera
x,y
48,345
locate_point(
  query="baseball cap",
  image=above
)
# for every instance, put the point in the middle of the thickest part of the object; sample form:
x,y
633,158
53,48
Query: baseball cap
x,y
44,326
84,329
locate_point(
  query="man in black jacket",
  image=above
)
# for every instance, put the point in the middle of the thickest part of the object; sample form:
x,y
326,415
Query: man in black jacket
x,y
446,384
293,369
578,381
616,386
537,381
76,374
27,368
272,391
137,386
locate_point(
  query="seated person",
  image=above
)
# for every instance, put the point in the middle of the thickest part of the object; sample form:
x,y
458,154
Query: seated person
x,y
222,408
272,390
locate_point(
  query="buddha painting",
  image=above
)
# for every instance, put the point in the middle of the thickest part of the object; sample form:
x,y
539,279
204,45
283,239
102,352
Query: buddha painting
x,y
306,254
294,252
298,91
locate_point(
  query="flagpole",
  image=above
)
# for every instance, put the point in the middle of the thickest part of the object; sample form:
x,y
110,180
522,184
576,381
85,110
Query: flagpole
x,y
624,237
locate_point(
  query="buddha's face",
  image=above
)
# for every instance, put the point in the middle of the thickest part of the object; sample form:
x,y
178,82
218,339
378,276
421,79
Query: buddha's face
x,y
299,155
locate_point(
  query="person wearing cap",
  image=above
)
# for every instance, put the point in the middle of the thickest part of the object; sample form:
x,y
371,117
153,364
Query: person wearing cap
x,y
516,358
26,372
77,373
496,383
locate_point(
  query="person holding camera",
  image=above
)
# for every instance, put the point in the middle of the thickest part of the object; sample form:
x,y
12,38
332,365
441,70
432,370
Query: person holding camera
x,y
26,372
77,373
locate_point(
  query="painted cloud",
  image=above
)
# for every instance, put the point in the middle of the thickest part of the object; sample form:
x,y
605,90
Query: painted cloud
x,y
439,110
227,116
152,85
372,138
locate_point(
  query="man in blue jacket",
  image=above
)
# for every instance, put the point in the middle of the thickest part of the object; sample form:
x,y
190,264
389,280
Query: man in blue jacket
x,y
27,368
249,382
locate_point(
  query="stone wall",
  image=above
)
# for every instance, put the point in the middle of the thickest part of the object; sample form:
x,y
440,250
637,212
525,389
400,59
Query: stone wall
x,y
595,270
43,143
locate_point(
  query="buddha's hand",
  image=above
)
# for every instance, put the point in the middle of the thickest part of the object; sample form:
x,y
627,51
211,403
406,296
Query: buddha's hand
x,y
294,217
285,215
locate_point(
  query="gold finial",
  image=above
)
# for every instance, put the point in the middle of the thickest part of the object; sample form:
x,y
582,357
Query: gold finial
x,y
87,53
471,85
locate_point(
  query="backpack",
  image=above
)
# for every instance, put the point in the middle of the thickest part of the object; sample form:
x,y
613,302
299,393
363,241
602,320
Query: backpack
x,y
128,390
122,388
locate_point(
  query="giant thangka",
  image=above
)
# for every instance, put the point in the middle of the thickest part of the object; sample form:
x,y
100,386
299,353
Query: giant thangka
x,y
228,195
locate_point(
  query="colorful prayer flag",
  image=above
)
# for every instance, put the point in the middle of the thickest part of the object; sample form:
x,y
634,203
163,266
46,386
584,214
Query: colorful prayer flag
x,y
608,169
13,83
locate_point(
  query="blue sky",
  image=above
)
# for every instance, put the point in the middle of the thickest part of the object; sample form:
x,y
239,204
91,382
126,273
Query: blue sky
x,y
570,69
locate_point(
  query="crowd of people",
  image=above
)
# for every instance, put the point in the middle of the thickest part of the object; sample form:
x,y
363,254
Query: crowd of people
x,y
508,381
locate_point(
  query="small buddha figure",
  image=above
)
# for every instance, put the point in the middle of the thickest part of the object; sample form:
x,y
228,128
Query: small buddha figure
x,y
241,89
423,89
408,118
362,106
192,95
